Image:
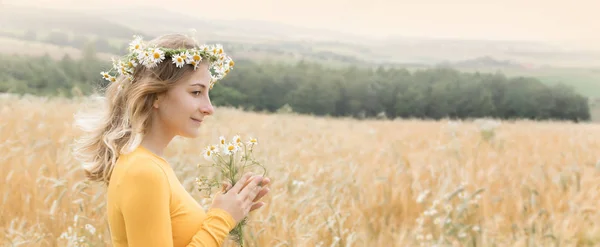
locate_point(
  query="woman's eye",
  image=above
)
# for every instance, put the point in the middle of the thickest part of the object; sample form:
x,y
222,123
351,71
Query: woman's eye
x,y
196,93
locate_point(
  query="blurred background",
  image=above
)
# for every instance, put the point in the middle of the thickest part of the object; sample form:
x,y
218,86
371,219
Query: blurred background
x,y
362,59
348,83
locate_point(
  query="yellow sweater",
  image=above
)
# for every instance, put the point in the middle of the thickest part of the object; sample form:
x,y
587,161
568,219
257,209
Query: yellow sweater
x,y
147,206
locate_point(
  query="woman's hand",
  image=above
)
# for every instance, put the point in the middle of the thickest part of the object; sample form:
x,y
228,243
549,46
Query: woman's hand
x,y
239,199
264,190
256,205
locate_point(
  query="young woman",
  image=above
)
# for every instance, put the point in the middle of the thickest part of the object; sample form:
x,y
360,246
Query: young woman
x,y
160,94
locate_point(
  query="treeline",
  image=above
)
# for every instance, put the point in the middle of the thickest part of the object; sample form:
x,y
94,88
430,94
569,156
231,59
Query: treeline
x,y
49,77
395,92
311,88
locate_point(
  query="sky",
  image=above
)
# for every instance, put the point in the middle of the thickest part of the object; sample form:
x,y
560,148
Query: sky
x,y
570,22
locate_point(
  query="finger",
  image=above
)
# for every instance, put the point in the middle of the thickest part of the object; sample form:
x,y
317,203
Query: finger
x,y
226,186
249,200
265,181
257,205
248,182
262,193
254,192
252,189
239,185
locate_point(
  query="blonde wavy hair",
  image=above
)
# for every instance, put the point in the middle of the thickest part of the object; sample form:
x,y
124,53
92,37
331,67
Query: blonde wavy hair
x,y
123,114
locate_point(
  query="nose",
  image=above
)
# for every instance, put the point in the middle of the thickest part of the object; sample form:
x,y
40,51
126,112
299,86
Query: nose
x,y
207,108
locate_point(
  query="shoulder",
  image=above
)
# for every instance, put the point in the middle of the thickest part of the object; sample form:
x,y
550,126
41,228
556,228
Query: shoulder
x,y
138,178
139,168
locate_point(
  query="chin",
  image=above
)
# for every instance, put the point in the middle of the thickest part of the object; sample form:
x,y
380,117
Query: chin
x,y
191,133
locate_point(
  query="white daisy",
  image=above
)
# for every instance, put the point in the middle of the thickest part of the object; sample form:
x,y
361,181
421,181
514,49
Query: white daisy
x,y
115,63
105,75
230,149
221,140
186,56
136,45
124,68
195,57
219,69
237,140
131,63
204,48
125,71
157,55
208,153
144,57
252,142
217,49
194,64
178,61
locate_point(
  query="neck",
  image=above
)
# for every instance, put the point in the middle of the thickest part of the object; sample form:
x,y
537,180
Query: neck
x,y
156,139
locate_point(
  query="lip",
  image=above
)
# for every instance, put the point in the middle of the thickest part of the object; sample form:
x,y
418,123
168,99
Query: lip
x,y
197,120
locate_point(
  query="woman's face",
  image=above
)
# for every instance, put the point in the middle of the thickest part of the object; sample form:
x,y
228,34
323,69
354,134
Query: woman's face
x,y
181,110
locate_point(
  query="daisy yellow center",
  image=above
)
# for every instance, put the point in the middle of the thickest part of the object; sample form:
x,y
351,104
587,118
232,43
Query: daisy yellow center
x,y
156,55
112,79
179,59
231,63
196,57
230,148
137,46
208,153
106,76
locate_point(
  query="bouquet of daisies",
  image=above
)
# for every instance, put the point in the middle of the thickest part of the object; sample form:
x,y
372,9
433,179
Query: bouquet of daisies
x,y
232,160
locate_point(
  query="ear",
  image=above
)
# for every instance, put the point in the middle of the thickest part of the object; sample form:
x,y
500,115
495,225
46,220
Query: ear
x,y
157,99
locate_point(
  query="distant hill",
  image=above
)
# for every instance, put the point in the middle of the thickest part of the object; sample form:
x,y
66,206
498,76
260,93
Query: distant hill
x,y
43,19
485,62
262,38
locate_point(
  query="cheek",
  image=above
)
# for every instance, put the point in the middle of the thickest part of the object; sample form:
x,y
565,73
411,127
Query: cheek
x,y
177,110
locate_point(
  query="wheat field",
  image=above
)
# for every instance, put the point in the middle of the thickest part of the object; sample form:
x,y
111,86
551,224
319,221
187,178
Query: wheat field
x,y
335,182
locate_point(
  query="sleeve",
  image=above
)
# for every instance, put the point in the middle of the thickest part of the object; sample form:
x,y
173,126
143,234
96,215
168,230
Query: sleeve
x,y
145,202
214,229
145,206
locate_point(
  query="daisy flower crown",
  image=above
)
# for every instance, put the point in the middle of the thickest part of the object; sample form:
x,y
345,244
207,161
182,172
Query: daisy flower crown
x,y
151,55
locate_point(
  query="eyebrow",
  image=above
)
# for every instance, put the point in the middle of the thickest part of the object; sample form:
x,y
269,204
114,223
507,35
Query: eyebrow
x,y
198,84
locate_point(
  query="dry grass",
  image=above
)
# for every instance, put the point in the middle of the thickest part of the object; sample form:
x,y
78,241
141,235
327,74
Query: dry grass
x,y
335,182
